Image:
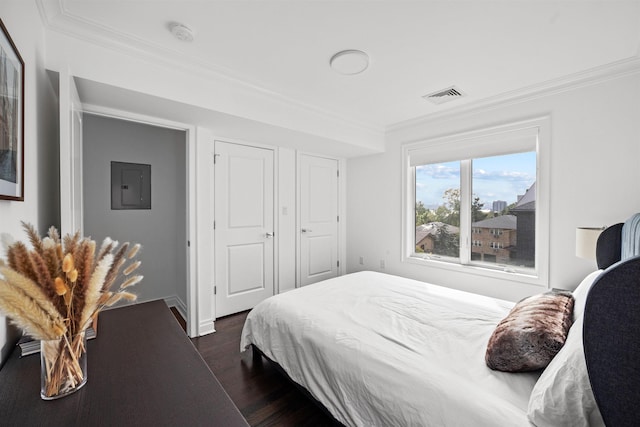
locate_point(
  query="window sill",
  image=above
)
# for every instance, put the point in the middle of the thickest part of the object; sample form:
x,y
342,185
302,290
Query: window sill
x,y
511,276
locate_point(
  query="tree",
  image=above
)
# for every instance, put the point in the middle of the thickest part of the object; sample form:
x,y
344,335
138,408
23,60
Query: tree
x,y
423,215
449,212
445,243
507,210
476,210
452,203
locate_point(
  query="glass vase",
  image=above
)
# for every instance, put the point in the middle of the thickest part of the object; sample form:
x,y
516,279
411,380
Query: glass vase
x,y
63,366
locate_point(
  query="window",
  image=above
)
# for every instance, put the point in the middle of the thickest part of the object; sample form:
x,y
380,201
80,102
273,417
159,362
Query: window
x,y
452,186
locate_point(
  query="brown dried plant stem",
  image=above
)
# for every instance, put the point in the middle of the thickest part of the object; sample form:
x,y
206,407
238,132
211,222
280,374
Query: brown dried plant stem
x,y
62,364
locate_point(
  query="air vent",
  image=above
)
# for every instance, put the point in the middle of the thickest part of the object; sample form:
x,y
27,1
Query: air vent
x,y
444,95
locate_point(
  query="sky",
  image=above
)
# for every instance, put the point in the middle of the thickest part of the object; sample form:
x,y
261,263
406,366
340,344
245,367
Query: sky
x,y
494,178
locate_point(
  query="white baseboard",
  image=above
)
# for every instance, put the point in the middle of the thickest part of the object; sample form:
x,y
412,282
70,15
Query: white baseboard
x,y
206,327
174,301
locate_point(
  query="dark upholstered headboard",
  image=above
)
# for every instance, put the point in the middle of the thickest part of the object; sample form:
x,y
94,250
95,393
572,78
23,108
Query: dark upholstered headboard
x,y
611,333
609,246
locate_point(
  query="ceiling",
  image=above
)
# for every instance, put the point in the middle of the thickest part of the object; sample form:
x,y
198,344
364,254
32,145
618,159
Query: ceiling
x,y
485,48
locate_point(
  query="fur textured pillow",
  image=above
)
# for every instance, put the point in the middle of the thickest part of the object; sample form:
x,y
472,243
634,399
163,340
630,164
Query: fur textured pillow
x,y
531,335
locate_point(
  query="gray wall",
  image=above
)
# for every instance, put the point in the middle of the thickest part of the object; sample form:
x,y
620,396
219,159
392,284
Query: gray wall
x,y
161,230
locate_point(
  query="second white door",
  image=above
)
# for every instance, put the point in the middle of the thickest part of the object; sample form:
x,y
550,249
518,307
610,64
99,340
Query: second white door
x,y
244,226
318,195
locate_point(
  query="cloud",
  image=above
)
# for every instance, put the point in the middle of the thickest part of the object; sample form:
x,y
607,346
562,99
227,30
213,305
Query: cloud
x,y
491,181
438,171
443,171
510,176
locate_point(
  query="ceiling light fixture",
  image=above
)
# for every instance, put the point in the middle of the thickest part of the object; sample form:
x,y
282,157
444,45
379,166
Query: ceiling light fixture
x,y
349,62
181,32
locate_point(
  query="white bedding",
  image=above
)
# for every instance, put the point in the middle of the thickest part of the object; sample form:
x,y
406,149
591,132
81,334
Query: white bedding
x,y
381,350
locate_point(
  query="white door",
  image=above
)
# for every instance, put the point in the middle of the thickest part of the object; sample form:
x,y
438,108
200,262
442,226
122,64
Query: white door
x,y
244,224
318,196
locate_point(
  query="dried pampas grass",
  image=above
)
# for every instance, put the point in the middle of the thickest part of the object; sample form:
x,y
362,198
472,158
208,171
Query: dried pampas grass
x,y
94,289
28,315
30,290
57,288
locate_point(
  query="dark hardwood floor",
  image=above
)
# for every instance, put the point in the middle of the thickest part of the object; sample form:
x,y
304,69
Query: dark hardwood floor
x,y
263,394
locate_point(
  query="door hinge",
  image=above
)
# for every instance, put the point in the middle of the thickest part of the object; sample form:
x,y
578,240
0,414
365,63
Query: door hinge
x,y
214,225
215,290
215,158
338,173
338,263
338,218
188,243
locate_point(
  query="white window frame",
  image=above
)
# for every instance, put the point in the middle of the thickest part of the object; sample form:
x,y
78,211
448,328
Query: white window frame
x,y
481,143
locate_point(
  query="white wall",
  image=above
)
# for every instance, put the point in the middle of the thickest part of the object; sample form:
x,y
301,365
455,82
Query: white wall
x,y
287,232
160,230
40,206
595,168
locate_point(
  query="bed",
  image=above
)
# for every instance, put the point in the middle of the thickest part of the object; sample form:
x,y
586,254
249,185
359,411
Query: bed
x,y
381,350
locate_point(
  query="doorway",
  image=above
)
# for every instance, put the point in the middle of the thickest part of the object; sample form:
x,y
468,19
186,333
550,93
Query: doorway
x,y
160,227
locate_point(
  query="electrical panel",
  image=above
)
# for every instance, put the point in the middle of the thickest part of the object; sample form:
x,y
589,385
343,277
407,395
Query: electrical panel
x,y
130,186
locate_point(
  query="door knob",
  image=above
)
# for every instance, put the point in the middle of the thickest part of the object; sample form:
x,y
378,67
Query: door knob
x,y
306,230
269,235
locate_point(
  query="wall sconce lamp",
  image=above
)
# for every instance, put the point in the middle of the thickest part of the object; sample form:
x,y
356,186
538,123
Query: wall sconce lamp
x,y
586,240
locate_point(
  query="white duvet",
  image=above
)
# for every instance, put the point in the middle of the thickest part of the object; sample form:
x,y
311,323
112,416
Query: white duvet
x,y
381,350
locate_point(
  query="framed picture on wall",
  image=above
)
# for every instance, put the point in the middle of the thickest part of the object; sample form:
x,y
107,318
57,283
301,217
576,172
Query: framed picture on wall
x,y
11,119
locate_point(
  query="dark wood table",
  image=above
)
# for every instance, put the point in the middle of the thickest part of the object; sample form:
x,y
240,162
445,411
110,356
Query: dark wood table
x,y
142,371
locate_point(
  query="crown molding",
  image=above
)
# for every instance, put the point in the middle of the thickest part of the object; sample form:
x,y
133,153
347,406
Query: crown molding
x,y
56,17
588,77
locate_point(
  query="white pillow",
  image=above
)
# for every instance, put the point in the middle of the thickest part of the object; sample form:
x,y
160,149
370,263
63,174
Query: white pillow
x,y
580,294
562,395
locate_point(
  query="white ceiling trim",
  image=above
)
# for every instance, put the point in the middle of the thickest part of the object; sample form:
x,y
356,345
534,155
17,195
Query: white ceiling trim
x,y
584,78
99,110
56,18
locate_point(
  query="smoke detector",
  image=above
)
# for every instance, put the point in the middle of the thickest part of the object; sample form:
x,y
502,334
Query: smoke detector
x,y
444,95
181,32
